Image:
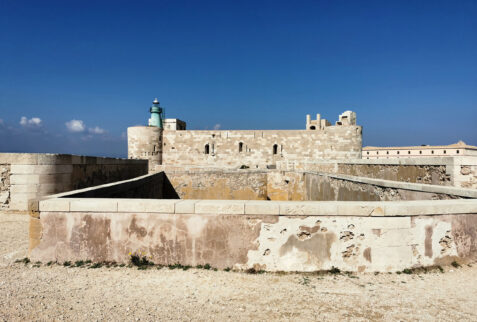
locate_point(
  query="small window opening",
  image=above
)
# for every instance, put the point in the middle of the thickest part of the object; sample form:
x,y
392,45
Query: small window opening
x,y
275,149
312,127
240,147
387,152
367,152
408,152
377,152
445,152
397,152
432,152
457,151
206,149
420,152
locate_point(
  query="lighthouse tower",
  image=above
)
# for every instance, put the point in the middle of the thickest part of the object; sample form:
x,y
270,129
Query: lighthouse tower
x,y
157,114
145,142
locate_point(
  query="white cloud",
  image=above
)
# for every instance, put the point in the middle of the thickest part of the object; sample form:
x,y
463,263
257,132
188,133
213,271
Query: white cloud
x,y
96,130
217,126
34,121
75,126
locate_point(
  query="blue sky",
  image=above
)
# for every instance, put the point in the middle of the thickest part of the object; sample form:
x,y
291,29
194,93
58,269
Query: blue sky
x,y
408,68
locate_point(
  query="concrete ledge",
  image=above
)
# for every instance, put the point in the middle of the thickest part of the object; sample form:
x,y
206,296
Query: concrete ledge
x,y
257,207
262,208
94,205
147,205
185,206
54,205
226,207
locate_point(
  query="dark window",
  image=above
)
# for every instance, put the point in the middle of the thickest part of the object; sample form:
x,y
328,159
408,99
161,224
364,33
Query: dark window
x,y
397,152
387,152
312,127
457,151
377,152
432,152
240,147
367,152
275,149
408,152
206,149
444,151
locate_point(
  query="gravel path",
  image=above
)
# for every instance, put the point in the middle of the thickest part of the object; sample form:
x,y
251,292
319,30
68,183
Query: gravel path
x,y
120,293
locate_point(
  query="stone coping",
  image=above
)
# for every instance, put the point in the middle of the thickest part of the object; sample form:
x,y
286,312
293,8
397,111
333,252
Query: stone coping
x,y
68,159
423,187
260,207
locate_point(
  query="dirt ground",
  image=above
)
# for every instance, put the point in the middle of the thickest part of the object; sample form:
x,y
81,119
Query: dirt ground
x,y
120,293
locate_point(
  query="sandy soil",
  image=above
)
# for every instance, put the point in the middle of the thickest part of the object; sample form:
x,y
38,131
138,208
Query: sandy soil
x,y
120,293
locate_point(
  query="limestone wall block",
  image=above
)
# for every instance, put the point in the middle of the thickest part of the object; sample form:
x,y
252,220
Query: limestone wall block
x,y
227,207
94,205
147,205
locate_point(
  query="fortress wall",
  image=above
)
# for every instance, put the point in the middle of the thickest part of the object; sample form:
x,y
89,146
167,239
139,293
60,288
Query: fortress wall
x,y
264,235
321,187
145,142
233,185
447,171
188,147
30,175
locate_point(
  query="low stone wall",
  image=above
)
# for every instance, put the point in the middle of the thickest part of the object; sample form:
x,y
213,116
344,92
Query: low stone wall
x,y
454,171
323,187
33,175
265,235
300,186
215,184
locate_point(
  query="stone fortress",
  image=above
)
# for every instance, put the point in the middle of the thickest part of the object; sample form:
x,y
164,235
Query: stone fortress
x,y
167,142
274,200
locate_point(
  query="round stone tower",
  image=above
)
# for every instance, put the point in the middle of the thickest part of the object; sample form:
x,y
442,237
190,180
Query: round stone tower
x,y
145,142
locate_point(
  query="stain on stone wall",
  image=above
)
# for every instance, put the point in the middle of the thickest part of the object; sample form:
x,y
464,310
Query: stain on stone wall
x,y
219,240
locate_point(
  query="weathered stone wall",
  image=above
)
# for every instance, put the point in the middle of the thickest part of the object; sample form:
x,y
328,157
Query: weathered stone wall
x,y
430,174
4,186
257,147
447,171
233,185
145,142
265,235
293,186
324,188
36,175
466,175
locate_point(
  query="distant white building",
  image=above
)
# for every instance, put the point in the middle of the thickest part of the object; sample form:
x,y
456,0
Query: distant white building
x,y
456,149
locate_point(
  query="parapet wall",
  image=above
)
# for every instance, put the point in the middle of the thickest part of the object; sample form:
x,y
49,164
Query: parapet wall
x,y
301,186
259,149
27,176
265,235
449,171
